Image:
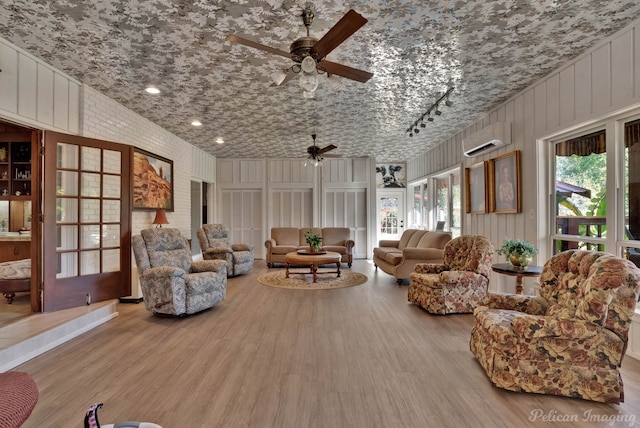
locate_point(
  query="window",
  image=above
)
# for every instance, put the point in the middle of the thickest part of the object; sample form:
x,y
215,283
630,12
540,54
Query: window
x,y
591,210
580,192
448,201
420,209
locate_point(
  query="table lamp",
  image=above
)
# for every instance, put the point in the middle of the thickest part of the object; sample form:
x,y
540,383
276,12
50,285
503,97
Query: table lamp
x,y
161,218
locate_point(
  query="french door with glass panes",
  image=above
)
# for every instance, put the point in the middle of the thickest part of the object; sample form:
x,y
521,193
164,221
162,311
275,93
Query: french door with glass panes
x,y
87,221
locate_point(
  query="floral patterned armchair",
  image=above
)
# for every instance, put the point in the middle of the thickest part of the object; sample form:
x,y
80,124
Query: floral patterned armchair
x,y
173,284
459,283
568,341
216,245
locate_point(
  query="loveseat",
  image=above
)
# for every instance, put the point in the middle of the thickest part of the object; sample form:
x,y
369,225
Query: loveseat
x,y
568,341
399,257
289,239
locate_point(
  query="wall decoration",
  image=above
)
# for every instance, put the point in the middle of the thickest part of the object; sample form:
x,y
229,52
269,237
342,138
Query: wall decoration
x,y
152,181
476,195
390,175
504,177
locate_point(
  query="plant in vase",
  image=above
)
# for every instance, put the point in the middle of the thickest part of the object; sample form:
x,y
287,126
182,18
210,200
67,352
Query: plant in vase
x,y
518,252
314,241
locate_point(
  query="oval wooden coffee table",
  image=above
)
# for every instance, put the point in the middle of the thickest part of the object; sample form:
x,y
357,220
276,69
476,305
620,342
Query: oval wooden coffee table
x,y
312,260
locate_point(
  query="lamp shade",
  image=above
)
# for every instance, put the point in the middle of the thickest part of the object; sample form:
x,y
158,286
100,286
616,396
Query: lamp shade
x,y
161,218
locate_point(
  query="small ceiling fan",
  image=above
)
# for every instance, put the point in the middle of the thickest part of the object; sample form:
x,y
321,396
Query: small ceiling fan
x,y
309,53
317,154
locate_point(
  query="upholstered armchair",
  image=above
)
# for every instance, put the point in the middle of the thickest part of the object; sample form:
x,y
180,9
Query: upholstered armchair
x,y
173,284
215,243
457,284
568,341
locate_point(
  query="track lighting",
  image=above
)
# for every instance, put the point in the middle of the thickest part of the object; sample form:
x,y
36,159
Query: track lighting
x,y
435,108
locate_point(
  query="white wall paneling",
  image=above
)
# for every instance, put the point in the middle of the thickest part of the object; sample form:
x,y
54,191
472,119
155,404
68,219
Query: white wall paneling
x,y
600,82
297,196
241,212
203,165
44,99
291,208
8,78
27,87
348,208
33,93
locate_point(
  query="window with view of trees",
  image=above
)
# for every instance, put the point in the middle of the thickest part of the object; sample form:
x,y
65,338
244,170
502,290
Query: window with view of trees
x,y
585,184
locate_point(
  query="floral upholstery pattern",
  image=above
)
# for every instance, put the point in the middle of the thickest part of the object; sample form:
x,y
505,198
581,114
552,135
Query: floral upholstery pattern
x,y
568,341
216,245
171,283
459,283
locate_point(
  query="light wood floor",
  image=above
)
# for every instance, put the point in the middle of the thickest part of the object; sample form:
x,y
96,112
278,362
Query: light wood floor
x,y
267,357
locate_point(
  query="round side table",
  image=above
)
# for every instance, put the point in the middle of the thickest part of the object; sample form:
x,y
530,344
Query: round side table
x,y
518,272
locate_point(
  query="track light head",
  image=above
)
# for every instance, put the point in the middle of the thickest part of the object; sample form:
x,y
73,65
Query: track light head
x,y
448,102
430,119
422,124
438,112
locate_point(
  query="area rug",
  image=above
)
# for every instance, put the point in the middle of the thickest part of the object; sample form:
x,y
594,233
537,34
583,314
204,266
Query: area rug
x,y
305,282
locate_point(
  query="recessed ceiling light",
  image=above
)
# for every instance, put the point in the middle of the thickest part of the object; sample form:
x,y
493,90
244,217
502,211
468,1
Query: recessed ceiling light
x,y
152,90
196,123
219,140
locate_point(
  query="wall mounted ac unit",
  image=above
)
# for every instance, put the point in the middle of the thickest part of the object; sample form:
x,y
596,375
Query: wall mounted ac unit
x,y
487,139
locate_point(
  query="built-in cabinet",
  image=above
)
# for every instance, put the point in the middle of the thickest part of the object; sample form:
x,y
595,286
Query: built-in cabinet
x,y
15,167
16,181
15,248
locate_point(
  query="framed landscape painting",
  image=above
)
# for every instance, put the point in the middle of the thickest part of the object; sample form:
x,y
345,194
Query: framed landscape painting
x,y
152,181
476,195
504,177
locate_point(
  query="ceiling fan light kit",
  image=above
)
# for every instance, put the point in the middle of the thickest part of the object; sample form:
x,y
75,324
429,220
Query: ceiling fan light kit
x,y
309,54
315,153
434,108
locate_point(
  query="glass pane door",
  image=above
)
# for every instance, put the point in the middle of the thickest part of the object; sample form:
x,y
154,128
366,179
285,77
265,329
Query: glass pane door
x,y
87,241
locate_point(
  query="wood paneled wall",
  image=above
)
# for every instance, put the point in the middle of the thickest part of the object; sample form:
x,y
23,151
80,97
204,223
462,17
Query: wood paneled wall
x,y
603,81
336,195
34,93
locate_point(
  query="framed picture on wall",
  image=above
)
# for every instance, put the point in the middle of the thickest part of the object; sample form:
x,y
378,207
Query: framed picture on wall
x,y
152,181
504,183
475,179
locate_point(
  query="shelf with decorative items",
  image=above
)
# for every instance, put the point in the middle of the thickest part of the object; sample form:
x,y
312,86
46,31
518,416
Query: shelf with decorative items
x,y
15,170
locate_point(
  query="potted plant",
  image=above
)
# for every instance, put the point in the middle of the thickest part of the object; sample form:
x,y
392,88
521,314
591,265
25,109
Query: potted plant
x,y
518,252
314,241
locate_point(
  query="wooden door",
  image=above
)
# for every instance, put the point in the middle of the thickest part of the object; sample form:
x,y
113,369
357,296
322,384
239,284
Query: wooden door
x,y
87,221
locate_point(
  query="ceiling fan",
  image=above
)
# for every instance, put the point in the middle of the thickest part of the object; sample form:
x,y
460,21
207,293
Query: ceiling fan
x,y
309,53
317,154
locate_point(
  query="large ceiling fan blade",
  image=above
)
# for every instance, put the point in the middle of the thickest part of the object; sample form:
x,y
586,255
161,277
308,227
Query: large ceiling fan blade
x,y
348,24
327,149
241,40
346,71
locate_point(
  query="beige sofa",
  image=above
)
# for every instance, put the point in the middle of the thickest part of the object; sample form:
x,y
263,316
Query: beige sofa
x,y
399,257
289,239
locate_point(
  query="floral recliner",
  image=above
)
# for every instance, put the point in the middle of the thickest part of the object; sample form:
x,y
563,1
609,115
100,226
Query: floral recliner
x,y
216,245
459,283
568,341
171,282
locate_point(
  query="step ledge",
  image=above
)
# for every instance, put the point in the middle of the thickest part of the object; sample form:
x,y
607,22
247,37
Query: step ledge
x,y
57,335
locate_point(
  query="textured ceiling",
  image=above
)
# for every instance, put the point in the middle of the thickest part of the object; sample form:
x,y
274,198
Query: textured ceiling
x,y
489,50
